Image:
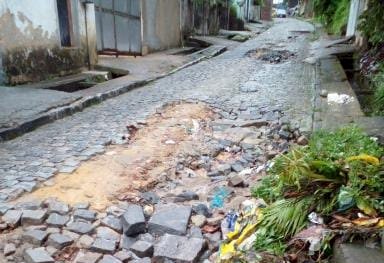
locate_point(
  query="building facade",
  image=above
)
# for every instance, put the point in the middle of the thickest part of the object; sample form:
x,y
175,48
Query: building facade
x,y
40,39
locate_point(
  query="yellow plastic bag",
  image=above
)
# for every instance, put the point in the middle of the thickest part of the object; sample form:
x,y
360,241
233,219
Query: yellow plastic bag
x,y
365,158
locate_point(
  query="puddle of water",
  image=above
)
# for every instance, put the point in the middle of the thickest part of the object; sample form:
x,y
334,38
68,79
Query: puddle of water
x,y
127,169
358,82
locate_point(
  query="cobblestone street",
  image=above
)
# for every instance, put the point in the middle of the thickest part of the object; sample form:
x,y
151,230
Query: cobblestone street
x,y
239,84
152,175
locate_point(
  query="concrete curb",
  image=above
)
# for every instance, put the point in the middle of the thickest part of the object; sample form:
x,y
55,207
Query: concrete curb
x,y
77,106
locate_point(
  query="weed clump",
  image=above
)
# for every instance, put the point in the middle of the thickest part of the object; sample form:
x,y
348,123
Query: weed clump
x,y
338,174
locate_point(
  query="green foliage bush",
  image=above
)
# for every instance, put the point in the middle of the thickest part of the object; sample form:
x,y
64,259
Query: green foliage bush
x,y
378,82
372,22
336,172
333,14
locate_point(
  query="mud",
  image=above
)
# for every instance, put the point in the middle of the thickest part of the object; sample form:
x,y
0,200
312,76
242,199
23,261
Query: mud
x,y
136,166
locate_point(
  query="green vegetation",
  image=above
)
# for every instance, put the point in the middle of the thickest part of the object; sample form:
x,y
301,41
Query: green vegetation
x,y
336,172
333,14
210,2
372,27
372,22
378,85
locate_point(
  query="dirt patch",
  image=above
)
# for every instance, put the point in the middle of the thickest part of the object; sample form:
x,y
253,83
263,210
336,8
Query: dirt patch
x,y
137,166
271,56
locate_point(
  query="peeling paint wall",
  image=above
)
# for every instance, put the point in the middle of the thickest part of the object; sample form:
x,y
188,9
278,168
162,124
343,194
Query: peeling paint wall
x,y
161,24
30,44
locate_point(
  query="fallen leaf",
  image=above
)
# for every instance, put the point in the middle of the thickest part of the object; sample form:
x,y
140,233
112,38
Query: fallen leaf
x,y
366,222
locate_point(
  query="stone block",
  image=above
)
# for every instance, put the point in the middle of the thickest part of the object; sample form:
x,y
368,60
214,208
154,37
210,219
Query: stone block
x,y
133,220
59,241
169,218
178,249
37,255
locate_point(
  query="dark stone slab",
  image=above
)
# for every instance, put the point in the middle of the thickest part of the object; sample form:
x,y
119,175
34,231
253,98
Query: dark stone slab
x,y
178,249
133,220
169,218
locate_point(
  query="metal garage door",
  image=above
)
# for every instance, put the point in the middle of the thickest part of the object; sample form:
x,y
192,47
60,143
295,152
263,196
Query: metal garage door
x,y
118,24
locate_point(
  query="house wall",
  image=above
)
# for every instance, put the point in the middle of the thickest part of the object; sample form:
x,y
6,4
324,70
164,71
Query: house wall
x,y
292,3
161,25
266,10
187,17
30,46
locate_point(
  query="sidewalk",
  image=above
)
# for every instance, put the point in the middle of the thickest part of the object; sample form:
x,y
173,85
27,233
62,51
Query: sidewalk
x,y
336,103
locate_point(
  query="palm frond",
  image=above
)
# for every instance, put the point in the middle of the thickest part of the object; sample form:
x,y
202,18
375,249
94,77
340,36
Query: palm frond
x,y
287,216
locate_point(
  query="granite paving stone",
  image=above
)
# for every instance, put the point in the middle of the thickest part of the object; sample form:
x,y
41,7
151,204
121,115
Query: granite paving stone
x,y
80,227
142,248
12,217
133,220
35,237
169,218
113,223
37,255
57,220
104,246
178,248
88,257
33,217
59,241
110,259
85,214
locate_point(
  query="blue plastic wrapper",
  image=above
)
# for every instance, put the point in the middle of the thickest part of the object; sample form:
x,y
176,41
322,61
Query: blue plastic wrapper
x,y
231,220
219,197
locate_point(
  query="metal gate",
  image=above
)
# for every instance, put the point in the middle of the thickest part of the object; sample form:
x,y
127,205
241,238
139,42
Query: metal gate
x,y
118,25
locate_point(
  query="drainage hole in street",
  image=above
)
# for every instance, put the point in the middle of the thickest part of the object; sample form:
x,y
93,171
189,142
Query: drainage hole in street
x,y
359,83
269,55
85,83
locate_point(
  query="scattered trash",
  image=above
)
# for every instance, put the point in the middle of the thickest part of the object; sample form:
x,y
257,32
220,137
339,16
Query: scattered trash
x,y
246,171
260,168
170,142
339,98
231,220
243,226
219,197
315,218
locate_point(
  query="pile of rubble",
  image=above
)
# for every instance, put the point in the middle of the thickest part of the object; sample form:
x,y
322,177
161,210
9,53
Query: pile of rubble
x,y
271,56
182,218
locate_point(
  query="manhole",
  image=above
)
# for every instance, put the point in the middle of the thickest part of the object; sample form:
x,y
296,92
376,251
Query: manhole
x,y
269,55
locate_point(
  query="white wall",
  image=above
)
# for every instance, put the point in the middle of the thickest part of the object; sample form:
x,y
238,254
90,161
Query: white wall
x,y
30,36
28,22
